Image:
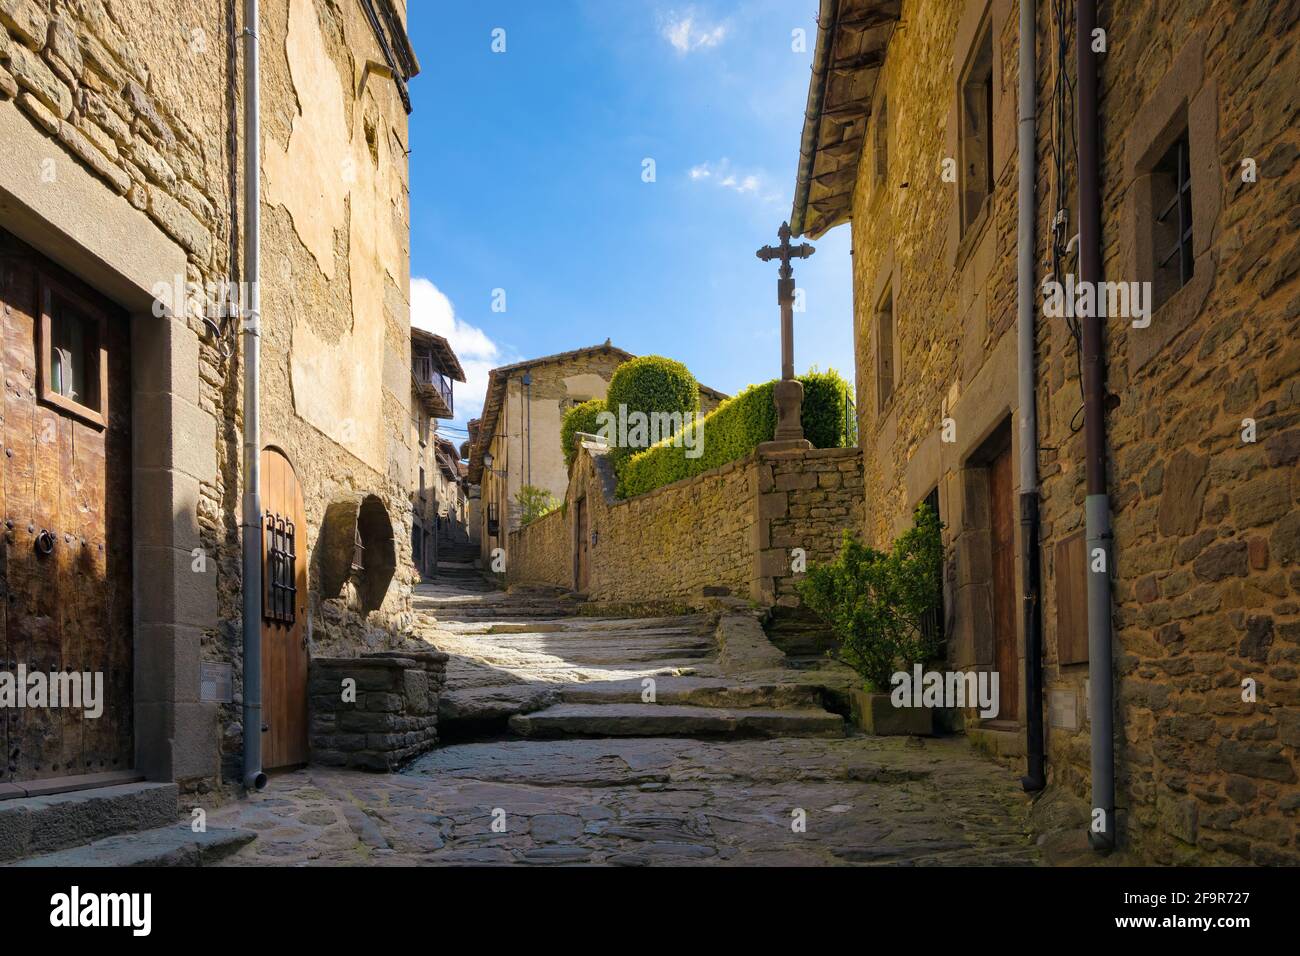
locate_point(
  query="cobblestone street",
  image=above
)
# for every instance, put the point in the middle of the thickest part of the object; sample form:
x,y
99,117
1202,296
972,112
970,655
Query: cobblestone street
x,y
649,801
606,794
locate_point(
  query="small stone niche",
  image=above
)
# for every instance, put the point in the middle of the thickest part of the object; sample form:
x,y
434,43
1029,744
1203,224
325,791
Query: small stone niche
x,y
388,714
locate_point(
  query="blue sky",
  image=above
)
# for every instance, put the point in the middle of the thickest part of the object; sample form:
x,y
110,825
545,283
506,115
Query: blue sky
x,y
526,176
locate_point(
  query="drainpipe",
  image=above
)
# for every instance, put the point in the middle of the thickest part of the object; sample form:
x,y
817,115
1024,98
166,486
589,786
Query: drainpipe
x,y
254,777
1101,833
1035,778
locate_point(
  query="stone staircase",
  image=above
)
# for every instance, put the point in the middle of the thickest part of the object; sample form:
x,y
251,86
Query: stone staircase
x,y
669,720
525,664
123,824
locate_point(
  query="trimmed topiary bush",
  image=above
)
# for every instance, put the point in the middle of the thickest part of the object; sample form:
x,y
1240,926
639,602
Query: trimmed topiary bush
x,y
580,418
733,430
652,383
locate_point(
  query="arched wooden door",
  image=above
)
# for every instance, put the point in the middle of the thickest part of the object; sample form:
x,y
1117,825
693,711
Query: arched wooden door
x,y
284,614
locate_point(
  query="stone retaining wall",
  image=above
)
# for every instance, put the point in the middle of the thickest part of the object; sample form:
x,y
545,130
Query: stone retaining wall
x,y
389,716
734,527
806,500
545,554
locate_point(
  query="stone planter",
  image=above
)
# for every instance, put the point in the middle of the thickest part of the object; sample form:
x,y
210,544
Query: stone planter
x,y
875,714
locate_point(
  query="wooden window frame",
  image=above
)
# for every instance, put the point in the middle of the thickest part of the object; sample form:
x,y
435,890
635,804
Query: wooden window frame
x,y
48,289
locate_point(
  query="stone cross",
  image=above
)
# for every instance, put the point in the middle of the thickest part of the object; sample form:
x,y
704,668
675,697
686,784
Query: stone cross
x,y
788,393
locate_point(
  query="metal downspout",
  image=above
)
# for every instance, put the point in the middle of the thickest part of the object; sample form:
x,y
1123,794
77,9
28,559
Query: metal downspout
x,y
254,777
1035,777
1101,833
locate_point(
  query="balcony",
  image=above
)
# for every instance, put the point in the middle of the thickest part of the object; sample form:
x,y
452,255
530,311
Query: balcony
x,y
435,388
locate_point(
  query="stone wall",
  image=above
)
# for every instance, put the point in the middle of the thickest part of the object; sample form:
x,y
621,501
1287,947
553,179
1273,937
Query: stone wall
x,y
1206,590
673,541
734,527
806,500
1206,524
393,717
542,552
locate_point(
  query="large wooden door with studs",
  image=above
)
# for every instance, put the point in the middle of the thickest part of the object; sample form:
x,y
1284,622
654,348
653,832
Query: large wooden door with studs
x,y
284,614
65,494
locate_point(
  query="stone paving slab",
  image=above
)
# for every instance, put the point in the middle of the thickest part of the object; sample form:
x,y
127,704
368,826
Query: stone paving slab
x,y
648,802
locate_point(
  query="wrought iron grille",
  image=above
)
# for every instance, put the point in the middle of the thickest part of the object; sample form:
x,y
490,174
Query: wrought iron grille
x,y
1177,164
279,597
932,622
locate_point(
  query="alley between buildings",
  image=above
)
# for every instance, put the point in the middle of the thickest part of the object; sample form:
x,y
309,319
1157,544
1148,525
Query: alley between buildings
x,y
554,756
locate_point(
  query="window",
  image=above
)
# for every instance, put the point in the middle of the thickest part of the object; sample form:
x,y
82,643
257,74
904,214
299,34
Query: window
x,y
279,564
1171,184
73,361
976,135
882,142
932,622
885,352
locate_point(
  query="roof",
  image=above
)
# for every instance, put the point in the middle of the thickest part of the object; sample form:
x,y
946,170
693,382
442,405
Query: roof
x,y
851,40
443,355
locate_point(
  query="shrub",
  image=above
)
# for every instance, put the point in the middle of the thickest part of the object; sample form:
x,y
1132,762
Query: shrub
x,y
652,383
534,503
734,429
580,418
875,601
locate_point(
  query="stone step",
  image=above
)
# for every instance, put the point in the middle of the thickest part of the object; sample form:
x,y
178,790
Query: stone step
x,y
667,720
695,692
174,845
44,824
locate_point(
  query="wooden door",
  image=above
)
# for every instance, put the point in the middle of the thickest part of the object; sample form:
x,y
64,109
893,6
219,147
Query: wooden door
x,y
284,614
580,543
65,493
1002,541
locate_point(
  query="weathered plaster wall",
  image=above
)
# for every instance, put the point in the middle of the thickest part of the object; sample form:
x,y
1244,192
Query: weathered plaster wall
x,y
336,393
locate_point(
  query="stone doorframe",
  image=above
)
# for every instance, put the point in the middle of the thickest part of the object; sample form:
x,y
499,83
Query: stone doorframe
x,y
94,233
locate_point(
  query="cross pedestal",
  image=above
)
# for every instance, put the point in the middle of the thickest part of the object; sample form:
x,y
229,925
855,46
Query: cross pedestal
x,y
787,394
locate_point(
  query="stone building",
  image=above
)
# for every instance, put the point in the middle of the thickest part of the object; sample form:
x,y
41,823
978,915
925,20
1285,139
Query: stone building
x,y
120,219
434,371
519,430
911,135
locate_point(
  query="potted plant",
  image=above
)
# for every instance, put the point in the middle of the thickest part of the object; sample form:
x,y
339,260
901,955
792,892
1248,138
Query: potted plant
x,y
876,602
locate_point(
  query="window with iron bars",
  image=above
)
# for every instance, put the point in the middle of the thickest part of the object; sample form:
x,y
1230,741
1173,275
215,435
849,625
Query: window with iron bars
x,y
279,597
932,622
1172,226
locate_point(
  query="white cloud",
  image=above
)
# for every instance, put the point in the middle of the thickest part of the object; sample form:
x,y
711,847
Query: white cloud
x,y
724,175
432,311
686,32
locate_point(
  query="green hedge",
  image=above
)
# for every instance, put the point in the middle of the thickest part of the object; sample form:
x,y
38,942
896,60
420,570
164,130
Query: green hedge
x,y
735,428
580,418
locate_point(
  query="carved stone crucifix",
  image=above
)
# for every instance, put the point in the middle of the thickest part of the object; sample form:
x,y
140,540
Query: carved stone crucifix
x,y
788,393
